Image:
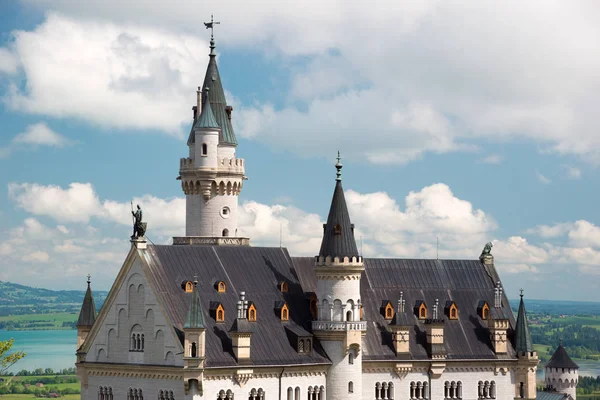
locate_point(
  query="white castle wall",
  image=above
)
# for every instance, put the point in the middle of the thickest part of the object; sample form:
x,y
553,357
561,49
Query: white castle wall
x,y
347,292
211,139
342,372
469,377
121,385
564,380
135,307
206,219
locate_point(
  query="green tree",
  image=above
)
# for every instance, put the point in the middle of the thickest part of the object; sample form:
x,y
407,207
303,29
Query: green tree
x,y
8,359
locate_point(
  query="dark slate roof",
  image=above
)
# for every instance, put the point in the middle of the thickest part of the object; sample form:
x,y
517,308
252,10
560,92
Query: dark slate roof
x,y
207,118
241,325
195,317
523,341
343,244
561,359
216,96
551,396
87,315
465,282
255,270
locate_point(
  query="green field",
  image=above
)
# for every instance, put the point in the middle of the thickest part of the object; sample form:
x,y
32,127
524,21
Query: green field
x,y
591,321
40,321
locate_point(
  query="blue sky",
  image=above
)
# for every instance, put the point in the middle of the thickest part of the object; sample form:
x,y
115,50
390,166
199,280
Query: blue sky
x,y
455,121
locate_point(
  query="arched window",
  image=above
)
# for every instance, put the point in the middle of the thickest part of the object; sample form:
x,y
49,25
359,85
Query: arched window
x,y
252,313
453,313
350,387
348,315
351,357
308,346
225,232
194,349
220,316
297,393
521,390
142,348
189,287
290,394
337,229
423,314
301,346
314,310
285,313
204,149
283,287
221,287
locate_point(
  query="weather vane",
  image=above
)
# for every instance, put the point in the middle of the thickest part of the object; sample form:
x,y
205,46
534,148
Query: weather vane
x,y
521,290
210,25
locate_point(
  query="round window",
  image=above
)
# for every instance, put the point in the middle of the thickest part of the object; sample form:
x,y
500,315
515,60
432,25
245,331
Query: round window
x,y
225,212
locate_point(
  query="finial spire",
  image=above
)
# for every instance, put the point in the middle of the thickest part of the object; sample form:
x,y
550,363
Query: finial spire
x,y
338,167
210,25
521,290
89,279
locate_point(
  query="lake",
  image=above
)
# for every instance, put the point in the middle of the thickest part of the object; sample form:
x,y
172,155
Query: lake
x,y
45,349
56,350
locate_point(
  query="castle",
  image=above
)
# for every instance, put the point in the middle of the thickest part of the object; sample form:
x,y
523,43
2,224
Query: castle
x,y
211,317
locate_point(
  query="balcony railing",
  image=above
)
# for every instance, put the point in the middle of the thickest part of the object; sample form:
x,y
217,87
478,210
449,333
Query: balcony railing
x,y
339,325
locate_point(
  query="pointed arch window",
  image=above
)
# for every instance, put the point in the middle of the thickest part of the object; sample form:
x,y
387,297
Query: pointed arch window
x,y
252,313
283,287
220,313
285,313
350,387
221,287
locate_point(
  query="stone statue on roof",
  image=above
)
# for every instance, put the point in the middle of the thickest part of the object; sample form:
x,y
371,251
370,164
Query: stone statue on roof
x,y
139,227
487,250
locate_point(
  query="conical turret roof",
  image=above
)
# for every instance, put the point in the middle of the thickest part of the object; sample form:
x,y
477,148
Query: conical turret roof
x,y
195,317
338,235
207,117
561,359
87,315
522,336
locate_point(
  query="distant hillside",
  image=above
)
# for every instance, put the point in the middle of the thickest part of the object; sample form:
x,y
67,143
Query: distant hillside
x,y
18,299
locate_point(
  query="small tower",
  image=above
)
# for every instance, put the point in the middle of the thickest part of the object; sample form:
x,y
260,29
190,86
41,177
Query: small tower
x,y
339,325
194,355
87,315
498,323
211,176
561,374
400,327
527,358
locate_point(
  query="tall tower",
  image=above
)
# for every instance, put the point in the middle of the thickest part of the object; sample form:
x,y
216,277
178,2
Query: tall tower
x,y
527,358
561,373
339,325
211,176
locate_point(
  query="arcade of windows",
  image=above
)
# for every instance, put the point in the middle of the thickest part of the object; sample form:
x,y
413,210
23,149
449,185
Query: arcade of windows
x,y
419,390
135,394
384,391
486,390
137,342
165,395
105,393
225,395
257,394
453,390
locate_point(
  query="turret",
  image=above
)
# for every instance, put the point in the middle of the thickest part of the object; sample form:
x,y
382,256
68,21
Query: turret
x,y
194,353
561,374
87,315
212,176
339,325
400,327
527,357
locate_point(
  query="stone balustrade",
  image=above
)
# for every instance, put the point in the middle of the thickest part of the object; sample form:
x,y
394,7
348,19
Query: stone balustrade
x,y
339,325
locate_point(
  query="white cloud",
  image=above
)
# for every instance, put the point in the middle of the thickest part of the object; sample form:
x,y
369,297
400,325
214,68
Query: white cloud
x,y
492,159
430,76
543,179
123,76
63,229
41,135
36,256
5,249
9,62
572,172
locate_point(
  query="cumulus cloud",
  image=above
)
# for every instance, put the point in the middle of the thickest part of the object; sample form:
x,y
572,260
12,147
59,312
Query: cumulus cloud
x,y
36,256
9,62
430,76
41,135
492,159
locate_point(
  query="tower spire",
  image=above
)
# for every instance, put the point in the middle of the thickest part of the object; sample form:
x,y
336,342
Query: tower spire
x,y
523,342
210,25
338,235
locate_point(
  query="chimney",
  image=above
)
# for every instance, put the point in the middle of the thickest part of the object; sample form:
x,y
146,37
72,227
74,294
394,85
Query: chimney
x,y
195,112
400,328
198,102
435,334
498,323
228,110
241,332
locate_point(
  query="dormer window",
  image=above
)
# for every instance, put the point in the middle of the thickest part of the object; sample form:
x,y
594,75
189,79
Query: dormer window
x,y
421,309
285,313
221,287
188,286
387,310
451,310
217,311
204,149
483,310
283,287
220,313
252,313
337,229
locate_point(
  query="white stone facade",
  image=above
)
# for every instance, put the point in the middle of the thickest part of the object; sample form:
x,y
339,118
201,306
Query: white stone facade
x,y
563,380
